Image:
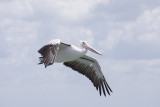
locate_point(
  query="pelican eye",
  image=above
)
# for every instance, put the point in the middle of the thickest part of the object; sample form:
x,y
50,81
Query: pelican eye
x,y
83,42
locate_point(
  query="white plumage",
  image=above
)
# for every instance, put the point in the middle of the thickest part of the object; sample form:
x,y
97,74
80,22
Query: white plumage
x,y
75,58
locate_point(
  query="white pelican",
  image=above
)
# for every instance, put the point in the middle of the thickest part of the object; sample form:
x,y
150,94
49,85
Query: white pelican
x,y
75,58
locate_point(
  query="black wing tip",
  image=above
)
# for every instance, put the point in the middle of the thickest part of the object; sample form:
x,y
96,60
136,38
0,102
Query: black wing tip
x,y
103,86
104,94
111,90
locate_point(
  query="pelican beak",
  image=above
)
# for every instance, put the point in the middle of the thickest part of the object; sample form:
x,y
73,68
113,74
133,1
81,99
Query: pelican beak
x,y
92,49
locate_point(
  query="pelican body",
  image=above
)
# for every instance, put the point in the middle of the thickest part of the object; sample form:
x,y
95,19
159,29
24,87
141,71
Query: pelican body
x,y
75,58
69,54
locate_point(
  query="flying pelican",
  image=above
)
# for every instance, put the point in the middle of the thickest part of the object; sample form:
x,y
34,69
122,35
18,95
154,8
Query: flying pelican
x,y
75,58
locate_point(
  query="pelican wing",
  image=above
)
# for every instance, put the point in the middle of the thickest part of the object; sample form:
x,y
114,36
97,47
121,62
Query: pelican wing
x,y
49,51
91,69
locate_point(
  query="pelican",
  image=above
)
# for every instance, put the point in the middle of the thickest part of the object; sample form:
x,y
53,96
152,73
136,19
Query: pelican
x,y
75,58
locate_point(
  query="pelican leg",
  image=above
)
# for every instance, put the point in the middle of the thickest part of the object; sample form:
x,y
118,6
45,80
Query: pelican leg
x,y
41,60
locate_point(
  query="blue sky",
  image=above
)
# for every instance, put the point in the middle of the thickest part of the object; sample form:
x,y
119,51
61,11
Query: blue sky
x,y
125,31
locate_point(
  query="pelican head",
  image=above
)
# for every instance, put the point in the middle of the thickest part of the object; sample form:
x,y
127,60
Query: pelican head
x,y
85,45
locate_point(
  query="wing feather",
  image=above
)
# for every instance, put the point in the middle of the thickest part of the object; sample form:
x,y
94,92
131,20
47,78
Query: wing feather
x,y
91,69
49,51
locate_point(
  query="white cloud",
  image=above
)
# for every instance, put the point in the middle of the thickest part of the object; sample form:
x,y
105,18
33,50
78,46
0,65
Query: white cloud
x,y
146,26
15,9
20,32
76,33
73,10
150,23
112,39
26,25
17,38
133,65
143,30
152,38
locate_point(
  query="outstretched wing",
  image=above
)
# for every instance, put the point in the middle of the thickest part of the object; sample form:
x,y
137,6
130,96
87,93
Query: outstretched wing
x,y
49,51
91,69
